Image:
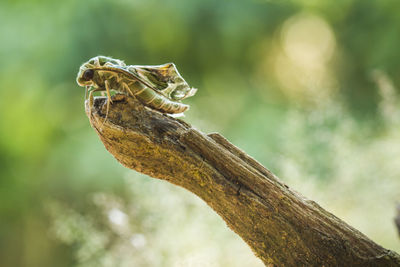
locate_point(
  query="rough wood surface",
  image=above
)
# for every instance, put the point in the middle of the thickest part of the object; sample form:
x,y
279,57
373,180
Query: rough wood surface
x,y
282,227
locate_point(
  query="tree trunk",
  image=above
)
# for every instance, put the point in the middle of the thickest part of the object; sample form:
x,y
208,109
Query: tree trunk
x,y
282,227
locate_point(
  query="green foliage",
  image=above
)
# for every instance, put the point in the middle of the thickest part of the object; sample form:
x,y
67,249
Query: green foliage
x,y
309,88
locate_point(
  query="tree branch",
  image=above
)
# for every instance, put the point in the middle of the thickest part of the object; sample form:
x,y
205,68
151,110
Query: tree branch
x,y
282,227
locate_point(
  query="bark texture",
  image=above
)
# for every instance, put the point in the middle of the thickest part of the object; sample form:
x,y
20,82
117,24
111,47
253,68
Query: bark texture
x,y
282,227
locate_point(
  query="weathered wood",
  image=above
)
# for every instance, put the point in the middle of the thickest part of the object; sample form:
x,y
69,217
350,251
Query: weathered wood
x,y
282,227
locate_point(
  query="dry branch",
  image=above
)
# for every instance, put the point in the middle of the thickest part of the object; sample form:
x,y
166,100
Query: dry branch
x,y
282,227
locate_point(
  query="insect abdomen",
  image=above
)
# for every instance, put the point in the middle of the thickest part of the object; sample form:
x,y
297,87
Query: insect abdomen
x,y
158,102
172,107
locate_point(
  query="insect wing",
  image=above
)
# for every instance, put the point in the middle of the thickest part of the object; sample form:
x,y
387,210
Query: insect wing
x,y
166,79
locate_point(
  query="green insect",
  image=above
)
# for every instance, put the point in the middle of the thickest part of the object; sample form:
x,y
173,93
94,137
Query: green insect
x,y
157,87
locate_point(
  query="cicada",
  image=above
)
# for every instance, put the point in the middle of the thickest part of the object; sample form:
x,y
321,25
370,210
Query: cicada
x,y
158,87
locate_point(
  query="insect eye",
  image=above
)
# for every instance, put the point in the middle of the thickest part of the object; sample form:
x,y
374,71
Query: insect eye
x,y
88,75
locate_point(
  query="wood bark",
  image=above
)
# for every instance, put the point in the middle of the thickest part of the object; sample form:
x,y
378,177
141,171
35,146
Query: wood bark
x,y
282,227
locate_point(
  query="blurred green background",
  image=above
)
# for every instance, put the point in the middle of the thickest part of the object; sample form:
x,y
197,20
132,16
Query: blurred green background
x,y
308,88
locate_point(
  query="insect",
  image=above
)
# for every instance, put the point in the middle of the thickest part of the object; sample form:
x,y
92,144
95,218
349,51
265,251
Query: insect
x,y
158,87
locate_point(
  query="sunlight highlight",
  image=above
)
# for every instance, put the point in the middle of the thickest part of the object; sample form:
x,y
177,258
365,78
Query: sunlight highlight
x,y
117,217
308,41
301,61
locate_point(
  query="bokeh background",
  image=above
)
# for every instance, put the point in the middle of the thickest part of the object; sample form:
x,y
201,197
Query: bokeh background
x,y
309,88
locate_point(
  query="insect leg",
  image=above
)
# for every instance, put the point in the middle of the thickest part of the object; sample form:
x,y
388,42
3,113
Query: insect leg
x,y
126,87
91,96
108,91
107,84
141,91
